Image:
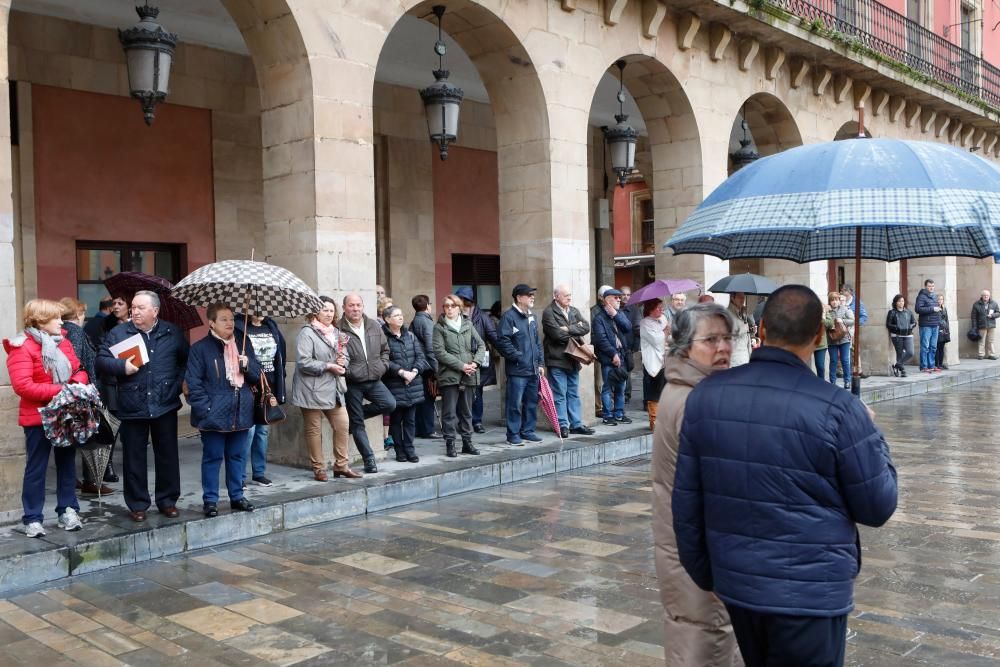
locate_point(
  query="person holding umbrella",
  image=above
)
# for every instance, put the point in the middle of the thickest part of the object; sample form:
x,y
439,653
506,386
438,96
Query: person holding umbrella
x,y
39,361
221,368
746,329
653,333
460,353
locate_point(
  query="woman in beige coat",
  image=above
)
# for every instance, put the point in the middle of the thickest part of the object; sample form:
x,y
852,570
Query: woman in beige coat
x,y
697,631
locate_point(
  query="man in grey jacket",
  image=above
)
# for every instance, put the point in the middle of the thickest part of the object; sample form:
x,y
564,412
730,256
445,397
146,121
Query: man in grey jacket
x,y
561,322
368,358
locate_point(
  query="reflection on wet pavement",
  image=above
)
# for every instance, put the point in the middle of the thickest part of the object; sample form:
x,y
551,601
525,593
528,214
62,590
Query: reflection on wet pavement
x,y
555,571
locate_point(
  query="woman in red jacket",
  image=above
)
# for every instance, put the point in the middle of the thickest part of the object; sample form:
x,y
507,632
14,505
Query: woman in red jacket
x,y
40,360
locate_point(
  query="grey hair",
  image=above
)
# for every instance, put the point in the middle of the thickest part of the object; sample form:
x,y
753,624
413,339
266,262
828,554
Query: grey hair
x,y
390,311
686,323
154,298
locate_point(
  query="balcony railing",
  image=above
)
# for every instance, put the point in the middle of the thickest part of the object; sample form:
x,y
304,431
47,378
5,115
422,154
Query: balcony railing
x,y
875,26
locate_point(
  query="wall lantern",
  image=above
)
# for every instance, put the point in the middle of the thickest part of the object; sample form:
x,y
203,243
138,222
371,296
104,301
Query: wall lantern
x,y
441,99
622,137
149,51
744,155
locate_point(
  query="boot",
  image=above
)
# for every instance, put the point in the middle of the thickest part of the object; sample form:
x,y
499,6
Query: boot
x,y
109,473
370,466
651,410
449,446
467,447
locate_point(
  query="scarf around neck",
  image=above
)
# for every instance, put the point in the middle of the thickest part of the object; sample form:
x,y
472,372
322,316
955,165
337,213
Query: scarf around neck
x,y
455,324
329,333
232,358
54,360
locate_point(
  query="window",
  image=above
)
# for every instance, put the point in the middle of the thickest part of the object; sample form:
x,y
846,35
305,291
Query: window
x,y
643,241
481,273
97,261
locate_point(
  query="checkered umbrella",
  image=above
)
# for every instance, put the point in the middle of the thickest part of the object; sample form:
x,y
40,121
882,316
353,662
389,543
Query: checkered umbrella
x,y
881,199
269,290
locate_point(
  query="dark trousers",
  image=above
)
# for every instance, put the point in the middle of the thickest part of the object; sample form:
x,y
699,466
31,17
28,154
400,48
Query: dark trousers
x,y
36,461
217,447
382,402
904,349
135,433
426,417
939,354
522,405
775,640
456,411
403,428
477,405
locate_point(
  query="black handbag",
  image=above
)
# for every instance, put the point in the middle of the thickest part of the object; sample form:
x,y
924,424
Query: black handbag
x,y
266,410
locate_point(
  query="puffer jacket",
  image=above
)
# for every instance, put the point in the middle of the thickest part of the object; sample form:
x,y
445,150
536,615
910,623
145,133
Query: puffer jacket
x,y
216,405
776,469
454,349
361,367
29,379
900,322
313,387
925,305
156,389
85,352
697,630
519,343
405,353
422,326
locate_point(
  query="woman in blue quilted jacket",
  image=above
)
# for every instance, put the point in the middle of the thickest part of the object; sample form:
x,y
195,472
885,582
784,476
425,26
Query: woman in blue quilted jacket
x,y
221,368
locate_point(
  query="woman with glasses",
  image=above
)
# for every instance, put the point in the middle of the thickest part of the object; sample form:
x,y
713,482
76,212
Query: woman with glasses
x,y
696,629
404,378
459,352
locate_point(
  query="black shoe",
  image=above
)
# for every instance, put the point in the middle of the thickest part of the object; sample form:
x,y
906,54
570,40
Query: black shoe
x,y
582,430
902,372
211,511
413,458
370,466
609,421
400,455
449,447
478,428
262,481
563,432
469,448
624,420
110,475
241,505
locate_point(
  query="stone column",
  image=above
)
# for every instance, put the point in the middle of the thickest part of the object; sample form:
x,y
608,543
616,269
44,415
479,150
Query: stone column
x,y
944,272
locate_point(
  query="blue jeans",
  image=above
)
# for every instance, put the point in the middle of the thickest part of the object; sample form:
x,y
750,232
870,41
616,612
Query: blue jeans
x,y
844,352
36,461
477,406
522,406
819,358
612,397
928,346
215,447
566,391
256,451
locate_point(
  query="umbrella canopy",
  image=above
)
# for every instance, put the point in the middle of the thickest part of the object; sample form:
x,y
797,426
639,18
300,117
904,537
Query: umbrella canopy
x,y
661,289
548,403
271,290
171,309
909,198
748,283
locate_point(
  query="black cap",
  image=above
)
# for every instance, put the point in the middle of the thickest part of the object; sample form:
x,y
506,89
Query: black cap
x,y
521,288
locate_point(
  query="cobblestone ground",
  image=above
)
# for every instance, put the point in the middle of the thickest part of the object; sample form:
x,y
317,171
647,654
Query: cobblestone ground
x,y
557,571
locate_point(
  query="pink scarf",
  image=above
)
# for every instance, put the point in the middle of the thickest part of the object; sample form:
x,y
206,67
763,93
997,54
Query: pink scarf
x,y
329,332
232,358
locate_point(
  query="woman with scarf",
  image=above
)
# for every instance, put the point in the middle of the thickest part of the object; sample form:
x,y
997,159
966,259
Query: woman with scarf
x,y
652,345
460,352
221,368
319,388
39,361
746,328
697,631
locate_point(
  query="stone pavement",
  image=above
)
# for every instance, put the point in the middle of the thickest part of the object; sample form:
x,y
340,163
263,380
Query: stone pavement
x,y
549,571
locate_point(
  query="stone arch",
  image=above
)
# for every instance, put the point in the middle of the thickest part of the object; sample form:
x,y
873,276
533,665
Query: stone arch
x,y
769,123
849,130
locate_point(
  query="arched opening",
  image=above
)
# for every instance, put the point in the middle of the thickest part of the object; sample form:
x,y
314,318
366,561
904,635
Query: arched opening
x,y
849,130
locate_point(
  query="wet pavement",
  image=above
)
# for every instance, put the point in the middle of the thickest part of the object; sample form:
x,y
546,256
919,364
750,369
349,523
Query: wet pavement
x,y
551,571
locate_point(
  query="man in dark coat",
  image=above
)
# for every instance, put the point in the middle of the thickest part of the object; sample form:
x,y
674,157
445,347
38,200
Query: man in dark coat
x,y
611,328
775,470
561,322
519,343
368,359
929,320
487,374
985,312
422,327
148,401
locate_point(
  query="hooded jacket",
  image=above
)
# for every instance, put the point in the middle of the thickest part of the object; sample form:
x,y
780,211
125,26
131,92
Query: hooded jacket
x,y
362,367
29,379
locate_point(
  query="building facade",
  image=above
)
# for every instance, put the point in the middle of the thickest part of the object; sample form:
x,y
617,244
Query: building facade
x,y
294,130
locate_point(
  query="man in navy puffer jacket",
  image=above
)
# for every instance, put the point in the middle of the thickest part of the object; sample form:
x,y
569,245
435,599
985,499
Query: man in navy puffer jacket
x,y
776,468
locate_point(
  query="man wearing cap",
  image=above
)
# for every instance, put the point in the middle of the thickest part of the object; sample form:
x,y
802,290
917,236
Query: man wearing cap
x,y
487,373
520,345
611,328
561,322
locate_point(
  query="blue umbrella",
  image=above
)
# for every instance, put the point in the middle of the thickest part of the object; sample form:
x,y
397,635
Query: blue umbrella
x,y
884,199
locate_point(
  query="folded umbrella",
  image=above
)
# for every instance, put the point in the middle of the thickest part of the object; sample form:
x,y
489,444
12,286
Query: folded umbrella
x,y
72,416
548,403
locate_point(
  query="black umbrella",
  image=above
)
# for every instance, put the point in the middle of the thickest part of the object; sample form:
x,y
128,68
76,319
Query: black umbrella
x,y
172,309
748,283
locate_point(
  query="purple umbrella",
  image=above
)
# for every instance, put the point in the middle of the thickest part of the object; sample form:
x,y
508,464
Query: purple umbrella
x,y
661,289
172,309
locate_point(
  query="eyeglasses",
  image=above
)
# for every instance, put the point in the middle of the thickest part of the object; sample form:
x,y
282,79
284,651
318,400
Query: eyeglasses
x,y
449,305
713,341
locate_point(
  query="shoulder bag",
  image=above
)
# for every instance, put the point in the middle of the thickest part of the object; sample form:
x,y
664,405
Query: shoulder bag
x,y
837,333
580,351
266,410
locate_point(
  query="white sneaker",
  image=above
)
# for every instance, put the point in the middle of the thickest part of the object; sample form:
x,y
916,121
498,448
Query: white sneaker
x,y
34,529
70,520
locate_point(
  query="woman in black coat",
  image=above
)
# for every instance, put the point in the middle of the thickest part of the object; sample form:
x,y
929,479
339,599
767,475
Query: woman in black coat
x,y
407,364
900,321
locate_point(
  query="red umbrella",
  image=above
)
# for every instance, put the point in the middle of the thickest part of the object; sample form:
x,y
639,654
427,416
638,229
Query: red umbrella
x,y
172,309
548,403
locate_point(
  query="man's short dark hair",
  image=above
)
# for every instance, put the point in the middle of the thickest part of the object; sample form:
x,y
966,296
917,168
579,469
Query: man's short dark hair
x,y
420,302
792,315
929,281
